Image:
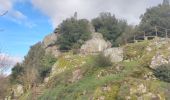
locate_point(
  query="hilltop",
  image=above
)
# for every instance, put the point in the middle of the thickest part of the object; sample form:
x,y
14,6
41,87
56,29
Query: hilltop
x,y
101,59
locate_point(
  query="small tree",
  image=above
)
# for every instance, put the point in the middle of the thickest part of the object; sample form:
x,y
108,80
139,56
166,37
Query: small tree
x,y
73,32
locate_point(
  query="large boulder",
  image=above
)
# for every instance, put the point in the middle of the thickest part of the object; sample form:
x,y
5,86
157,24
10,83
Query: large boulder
x,y
115,54
50,40
49,43
95,44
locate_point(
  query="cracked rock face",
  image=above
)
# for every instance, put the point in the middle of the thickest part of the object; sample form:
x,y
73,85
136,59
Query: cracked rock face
x,y
158,60
95,44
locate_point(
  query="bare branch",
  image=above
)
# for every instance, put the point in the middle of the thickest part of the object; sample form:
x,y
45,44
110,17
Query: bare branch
x,y
4,13
4,63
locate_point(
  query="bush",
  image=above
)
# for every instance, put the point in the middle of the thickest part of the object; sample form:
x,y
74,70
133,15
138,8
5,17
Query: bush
x,y
110,27
73,32
17,71
163,72
47,63
102,61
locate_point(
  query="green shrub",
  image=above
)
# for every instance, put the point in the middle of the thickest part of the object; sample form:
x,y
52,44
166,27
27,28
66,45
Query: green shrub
x,y
101,60
163,72
73,32
47,63
17,70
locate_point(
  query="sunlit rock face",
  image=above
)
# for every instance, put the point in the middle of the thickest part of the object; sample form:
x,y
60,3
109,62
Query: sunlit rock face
x,y
95,44
49,43
50,40
115,54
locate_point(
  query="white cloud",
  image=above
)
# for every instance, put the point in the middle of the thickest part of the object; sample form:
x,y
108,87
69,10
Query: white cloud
x,y
5,5
9,60
58,10
13,14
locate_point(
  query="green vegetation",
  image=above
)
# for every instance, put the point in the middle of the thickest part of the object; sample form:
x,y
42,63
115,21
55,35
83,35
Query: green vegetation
x,y
96,76
35,67
73,33
17,71
109,26
163,72
156,16
102,61
135,51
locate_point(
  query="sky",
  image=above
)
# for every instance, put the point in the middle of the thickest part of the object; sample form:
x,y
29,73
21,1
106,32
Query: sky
x,y
29,21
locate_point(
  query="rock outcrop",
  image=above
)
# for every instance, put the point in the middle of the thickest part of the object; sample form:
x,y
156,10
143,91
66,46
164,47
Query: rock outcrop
x,y
18,90
49,43
50,40
53,50
95,44
158,60
115,54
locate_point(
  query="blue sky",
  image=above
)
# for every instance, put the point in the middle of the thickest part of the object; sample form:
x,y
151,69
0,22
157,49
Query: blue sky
x,y
28,21
20,33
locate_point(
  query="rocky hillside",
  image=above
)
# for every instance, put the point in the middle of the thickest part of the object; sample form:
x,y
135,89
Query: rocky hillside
x,y
130,76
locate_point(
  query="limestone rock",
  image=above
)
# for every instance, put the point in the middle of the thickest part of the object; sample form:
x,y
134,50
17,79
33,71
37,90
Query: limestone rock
x,y
50,40
76,75
158,60
115,54
18,90
53,50
141,88
95,44
46,80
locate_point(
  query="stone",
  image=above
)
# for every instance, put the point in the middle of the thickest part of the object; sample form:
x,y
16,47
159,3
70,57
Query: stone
x,y
141,88
18,90
158,60
115,54
53,50
95,44
50,40
77,75
149,49
46,80
101,98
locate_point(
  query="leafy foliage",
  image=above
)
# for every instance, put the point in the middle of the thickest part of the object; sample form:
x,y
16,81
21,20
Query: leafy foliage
x,y
37,61
17,71
156,16
73,32
109,26
47,63
102,61
163,72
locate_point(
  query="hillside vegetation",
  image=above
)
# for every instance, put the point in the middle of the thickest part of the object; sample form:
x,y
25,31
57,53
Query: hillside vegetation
x,y
59,69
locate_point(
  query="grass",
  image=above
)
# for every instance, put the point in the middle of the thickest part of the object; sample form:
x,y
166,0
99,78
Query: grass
x,y
120,82
89,83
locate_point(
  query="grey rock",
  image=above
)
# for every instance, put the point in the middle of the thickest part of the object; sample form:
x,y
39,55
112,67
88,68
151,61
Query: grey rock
x,y
95,44
77,75
50,40
158,60
115,54
53,50
18,90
